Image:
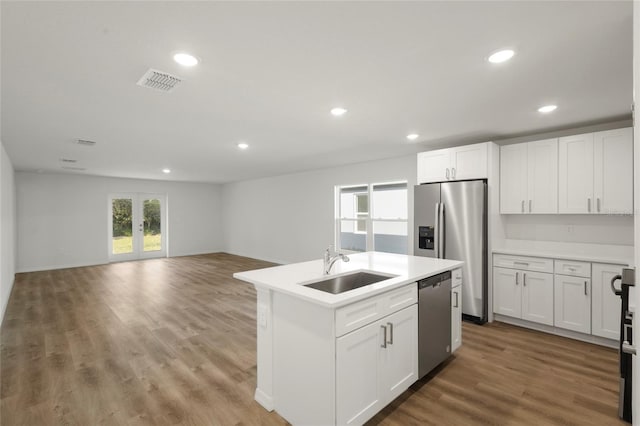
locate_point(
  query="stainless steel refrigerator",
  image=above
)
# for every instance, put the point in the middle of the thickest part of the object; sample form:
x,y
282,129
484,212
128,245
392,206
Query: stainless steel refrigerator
x,y
450,220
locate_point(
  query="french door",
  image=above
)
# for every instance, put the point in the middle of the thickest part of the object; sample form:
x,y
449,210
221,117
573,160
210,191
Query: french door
x,y
137,226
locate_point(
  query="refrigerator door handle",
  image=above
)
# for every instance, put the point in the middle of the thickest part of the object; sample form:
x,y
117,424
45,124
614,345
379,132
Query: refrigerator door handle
x,y
436,230
441,230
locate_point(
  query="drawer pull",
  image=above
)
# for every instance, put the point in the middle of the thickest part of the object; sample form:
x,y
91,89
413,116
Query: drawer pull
x,y
521,263
384,336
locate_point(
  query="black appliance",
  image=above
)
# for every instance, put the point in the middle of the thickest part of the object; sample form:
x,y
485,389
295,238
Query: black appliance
x,y
626,348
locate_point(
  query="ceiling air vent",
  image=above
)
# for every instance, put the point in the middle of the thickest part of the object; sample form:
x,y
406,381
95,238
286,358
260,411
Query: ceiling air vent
x,y
85,142
68,160
159,80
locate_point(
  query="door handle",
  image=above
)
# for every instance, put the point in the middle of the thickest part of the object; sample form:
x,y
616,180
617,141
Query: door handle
x,y
585,288
441,229
598,204
447,173
456,293
517,278
628,348
390,341
524,279
529,206
522,206
613,286
436,231
384,336
453,173
589,205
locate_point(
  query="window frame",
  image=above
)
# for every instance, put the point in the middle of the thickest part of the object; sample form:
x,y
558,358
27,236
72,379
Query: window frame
x,y
369,219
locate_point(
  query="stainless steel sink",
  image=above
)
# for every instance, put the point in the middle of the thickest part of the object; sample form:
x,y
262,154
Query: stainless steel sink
x,y
341,283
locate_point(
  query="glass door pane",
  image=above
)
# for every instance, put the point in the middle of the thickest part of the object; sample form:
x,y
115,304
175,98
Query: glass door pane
x,y
152,225
122,228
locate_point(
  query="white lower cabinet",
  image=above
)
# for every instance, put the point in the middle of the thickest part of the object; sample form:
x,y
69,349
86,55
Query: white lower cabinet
x,y
523,294
456,310
572,300
537,297
375,364
605,305
507,293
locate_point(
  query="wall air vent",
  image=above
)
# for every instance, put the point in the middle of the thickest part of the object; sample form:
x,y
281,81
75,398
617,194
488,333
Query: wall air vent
x,y
159,80
75,169
85,142
68,160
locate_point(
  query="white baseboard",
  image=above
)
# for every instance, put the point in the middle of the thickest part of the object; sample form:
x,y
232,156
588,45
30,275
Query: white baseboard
x,y
271,260
557,331
263,399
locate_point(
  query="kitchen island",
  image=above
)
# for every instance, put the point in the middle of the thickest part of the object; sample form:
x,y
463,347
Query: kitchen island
x,y
338,358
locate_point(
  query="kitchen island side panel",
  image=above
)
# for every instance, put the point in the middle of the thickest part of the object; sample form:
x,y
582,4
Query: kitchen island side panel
x,y
303,361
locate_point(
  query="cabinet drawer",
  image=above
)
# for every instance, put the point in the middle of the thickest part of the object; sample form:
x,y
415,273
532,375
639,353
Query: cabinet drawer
x,y
573,268
525,263
456,278
356,315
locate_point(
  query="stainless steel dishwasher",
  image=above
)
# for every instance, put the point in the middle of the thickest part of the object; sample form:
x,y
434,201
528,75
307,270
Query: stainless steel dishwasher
x,y
434,321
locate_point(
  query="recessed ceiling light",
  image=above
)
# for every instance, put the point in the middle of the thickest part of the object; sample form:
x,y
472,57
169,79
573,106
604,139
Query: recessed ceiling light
x,y
547,108
185,59
166,170
338,111
243,145
501,56
413,136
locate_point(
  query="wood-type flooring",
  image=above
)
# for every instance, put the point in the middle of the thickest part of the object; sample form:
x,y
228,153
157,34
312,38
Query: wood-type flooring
x,y
173,341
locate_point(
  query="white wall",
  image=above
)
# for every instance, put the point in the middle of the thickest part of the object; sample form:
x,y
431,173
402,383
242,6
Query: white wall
x,y
7,230
591,229
289,218
62,218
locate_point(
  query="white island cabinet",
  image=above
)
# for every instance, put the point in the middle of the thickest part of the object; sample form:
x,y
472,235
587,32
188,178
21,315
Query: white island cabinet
x,y
326,359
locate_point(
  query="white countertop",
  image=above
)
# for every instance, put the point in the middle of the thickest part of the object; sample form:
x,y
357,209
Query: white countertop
x,y
290,279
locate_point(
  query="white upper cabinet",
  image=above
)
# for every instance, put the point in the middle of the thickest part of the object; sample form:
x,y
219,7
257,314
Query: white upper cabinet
x,y
542,176
613,171
434,166
529,177
469,162
459,163
596,172
513,178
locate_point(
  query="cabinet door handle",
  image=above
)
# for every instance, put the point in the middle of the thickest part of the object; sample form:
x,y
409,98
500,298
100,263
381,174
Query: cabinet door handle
x,y
529,206
589,205
585,288
447,173
453,173
384,336
390,341
517,278
598,203
522,206
456,293
524,279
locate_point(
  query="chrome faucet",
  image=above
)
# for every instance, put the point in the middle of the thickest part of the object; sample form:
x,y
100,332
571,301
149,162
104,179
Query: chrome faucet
x,y
331,257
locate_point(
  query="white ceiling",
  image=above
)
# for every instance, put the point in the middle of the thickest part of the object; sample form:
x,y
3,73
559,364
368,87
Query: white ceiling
x,y
270,73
